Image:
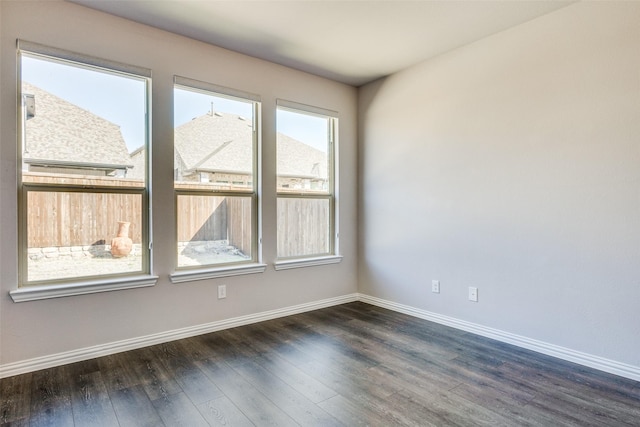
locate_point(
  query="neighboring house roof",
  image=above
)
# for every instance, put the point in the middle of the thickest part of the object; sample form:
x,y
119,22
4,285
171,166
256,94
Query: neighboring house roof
x,y
297,159
221,142
215,142
61,133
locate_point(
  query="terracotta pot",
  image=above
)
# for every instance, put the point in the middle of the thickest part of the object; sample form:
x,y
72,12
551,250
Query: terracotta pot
x,y
122,244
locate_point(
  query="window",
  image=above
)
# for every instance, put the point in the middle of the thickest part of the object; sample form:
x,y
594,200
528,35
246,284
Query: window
x,y
215,164
83,192
306,142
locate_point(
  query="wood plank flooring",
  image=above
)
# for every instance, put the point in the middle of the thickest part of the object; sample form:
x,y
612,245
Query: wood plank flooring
x,y
349,365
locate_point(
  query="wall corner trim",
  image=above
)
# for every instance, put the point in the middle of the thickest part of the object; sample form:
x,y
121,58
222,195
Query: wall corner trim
x,y
591,361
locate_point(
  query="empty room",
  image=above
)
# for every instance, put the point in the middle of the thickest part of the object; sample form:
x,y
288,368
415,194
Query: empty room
x,y
319,213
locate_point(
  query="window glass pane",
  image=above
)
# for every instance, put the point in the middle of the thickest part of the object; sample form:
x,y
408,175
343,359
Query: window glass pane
x,y
82,128
214,229
302,151
81,122
213,140
76,234
303,227
214,157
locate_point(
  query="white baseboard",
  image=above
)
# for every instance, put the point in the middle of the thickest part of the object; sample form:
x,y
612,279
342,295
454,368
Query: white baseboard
x,y
596,362
64,358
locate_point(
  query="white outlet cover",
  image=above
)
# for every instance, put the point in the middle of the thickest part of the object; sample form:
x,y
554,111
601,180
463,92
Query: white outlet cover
x,y
435,286
473,294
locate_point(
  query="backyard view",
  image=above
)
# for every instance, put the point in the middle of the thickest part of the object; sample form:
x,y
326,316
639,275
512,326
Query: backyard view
x,y
77,180
71,233
214,176
84,175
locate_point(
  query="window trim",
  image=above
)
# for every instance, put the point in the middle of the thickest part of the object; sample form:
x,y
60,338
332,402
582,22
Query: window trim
x,y
205,87
254,265
228,270
42,289
83,287
62,55
300,262
333,256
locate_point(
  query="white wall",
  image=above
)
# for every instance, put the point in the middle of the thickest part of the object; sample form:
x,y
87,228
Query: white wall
x,y
43,328
513,165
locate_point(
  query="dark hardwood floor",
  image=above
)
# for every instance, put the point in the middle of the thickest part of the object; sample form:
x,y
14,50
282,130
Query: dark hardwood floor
x,y
350,365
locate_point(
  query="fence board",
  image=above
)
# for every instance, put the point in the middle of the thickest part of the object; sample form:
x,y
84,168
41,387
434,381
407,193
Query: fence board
x,y
240,228
58,219
202,218
80,219
303,227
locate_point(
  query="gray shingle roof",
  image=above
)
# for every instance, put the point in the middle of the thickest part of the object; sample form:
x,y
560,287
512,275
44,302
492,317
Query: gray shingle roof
x,y
297,159
62,132
222,143
215,142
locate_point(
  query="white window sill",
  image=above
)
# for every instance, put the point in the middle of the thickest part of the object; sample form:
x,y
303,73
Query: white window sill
x,y
307,262
213,273
58,290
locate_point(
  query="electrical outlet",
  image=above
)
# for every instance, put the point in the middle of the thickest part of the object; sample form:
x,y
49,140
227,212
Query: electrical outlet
x,y
473,294
435,286
222,291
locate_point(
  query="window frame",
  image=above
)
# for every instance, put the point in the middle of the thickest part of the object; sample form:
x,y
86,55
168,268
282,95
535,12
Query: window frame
x,y
332,256
28,290
254,264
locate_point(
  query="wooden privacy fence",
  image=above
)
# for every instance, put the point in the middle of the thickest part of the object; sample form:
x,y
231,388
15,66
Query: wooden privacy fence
x,y
62,218
239,223
66,218
303,226
206,218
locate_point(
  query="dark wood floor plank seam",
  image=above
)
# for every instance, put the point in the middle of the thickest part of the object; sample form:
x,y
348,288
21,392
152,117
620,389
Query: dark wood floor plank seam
x,y
222,412
50,398
176,410
300,381
90,402
296,405
133,408
253,404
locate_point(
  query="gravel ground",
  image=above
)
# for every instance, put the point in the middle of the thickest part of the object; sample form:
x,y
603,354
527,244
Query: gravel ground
x,y
66,267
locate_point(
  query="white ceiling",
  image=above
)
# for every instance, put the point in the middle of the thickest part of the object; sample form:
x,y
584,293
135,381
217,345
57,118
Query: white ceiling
x,y
353,42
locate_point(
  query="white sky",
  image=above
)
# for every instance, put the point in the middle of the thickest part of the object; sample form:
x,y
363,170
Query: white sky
x,y
122,101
